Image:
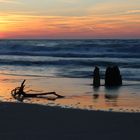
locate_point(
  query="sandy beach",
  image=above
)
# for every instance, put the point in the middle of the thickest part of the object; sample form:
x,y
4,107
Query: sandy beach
x,y
32,122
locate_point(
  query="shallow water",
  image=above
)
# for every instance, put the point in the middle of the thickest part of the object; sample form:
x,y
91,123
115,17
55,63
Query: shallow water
x,y
78,92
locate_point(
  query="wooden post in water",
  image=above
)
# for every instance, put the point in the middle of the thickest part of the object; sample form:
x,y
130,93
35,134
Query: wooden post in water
x,y
113,76
96,77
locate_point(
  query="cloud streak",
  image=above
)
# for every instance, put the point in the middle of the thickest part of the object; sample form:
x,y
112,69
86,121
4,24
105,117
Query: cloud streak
x,y
9,2
31,26
133,12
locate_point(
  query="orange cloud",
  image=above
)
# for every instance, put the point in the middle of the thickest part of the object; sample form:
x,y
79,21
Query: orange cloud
x,y
29,26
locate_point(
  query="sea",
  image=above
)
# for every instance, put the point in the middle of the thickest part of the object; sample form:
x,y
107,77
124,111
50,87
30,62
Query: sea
x,y
66,67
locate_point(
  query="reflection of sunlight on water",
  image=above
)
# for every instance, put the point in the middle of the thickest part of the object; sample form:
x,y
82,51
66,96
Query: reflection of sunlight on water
x,y
78,92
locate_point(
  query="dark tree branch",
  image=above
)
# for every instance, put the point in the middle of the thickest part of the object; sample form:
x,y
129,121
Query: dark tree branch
x,y
19,94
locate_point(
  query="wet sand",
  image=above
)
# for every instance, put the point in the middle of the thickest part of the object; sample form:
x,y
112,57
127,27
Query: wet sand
x,y
78,92
33,122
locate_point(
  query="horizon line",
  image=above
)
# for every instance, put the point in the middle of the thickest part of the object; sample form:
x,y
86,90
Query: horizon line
x,y
69,38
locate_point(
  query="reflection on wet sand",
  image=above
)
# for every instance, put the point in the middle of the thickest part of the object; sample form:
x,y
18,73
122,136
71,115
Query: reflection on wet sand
x,y
79,95
110,95
96,93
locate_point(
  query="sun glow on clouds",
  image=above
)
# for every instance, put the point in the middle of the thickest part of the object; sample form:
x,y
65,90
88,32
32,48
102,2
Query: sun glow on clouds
x,y
23,26
95,21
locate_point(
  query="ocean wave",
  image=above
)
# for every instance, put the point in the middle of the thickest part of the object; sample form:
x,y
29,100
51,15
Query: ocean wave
x,y
72,55
70,62
60,46
69,57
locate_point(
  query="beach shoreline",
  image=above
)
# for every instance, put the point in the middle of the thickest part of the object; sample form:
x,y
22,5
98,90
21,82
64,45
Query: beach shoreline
x,y
30,121
79,93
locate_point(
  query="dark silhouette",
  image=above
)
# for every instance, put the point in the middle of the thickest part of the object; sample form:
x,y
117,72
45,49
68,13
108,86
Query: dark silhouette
x,y
19,94
113,77
96,77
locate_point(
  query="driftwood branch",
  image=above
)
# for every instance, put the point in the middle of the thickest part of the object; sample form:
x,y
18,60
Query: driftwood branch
x,y
19,93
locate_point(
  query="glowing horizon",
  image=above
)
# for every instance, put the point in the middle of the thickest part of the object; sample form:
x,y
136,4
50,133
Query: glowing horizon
x,y
70,19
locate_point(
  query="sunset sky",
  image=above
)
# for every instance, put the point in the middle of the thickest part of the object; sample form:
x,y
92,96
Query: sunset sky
x,y
70,19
